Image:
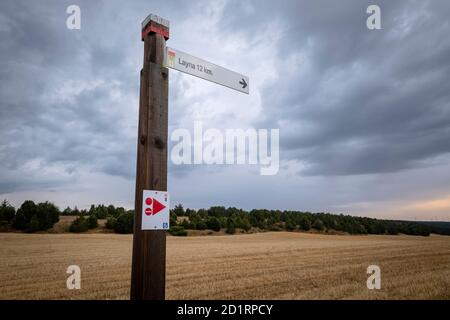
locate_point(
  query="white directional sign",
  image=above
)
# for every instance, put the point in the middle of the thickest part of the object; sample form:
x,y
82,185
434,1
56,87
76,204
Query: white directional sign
x,y
155,210
184,62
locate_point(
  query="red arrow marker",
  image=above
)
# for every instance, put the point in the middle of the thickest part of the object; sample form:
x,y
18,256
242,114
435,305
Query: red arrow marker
x,y
157,206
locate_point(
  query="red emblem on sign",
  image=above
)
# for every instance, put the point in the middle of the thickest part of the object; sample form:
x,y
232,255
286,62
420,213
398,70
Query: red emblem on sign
x,y
154,206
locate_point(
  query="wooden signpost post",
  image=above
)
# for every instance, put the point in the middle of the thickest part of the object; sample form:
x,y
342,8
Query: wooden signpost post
x,y
148,271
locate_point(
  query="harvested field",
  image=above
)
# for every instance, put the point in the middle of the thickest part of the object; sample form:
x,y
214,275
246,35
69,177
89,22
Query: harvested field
x,y
273,265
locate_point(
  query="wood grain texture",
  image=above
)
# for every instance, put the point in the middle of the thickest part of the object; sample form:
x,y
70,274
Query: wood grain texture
x,y
149,247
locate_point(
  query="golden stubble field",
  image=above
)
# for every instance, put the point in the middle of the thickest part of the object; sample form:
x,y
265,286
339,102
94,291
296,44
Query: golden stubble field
x,y
274,265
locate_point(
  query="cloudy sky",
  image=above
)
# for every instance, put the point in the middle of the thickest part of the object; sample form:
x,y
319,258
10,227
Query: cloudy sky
x,y
364,115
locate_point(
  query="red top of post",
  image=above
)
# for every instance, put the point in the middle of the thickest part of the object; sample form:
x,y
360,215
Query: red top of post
x,y
155,24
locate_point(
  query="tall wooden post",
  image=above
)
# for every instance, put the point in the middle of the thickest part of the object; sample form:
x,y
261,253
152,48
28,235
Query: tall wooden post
x,y
148,274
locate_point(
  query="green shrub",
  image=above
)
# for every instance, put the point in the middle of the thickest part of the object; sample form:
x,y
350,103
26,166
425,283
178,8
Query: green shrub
x,y
318,225
34,224
111,223
80,224
26,211
245,225
192,225
185,224
178,231
201,225
304,223
213,224
92,221
275,227
290,226
20,221
125,222
173,218
46,214
231,228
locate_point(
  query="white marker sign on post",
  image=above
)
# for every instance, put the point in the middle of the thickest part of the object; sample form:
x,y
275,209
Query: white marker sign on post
x,y
184,62
155,210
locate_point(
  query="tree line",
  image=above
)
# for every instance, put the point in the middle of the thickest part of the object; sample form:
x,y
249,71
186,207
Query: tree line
x,y
231,219
31,217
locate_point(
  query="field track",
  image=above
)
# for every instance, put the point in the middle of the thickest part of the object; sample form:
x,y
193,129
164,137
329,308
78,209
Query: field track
x,y
273,265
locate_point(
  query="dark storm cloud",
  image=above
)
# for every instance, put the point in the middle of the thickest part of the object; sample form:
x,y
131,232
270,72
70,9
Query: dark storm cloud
x,y
347,100
40,117
65,93
361,101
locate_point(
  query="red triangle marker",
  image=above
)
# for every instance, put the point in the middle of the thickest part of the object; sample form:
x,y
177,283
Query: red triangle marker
x,y
157,206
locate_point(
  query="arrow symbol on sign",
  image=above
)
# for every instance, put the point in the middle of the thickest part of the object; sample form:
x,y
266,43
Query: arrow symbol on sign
x,y
243,83
157,206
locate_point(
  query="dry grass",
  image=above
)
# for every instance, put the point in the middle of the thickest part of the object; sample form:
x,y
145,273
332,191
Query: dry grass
x,y
258,266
